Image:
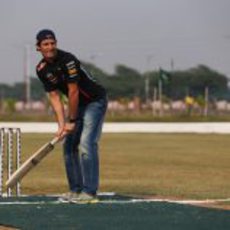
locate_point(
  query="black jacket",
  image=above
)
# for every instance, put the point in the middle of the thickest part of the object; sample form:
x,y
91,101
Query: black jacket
x,y
65,69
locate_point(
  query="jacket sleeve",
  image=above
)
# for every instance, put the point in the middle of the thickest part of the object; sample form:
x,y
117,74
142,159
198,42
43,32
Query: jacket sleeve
x,y
48,85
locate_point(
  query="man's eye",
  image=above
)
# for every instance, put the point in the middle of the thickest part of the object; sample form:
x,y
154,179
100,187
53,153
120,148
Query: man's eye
x,y
51,43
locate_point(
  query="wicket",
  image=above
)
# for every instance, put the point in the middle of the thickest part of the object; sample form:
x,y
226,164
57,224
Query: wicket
x,y
10,156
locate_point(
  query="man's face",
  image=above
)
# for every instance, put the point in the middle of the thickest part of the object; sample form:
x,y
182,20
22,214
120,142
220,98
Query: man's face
x,y
48,48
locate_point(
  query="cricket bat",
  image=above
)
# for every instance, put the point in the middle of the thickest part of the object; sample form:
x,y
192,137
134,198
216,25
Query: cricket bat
x,y
31,163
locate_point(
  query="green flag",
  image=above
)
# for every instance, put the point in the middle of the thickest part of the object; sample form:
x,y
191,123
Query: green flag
x,y
164,75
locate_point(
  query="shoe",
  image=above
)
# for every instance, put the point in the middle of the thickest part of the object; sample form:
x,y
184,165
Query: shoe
x,y
84,198
66,197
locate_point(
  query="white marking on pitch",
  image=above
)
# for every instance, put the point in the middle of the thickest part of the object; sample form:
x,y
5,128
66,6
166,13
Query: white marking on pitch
x,y
131,201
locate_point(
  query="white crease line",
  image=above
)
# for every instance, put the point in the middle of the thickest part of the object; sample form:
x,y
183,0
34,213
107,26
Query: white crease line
x,y
27,202
119,201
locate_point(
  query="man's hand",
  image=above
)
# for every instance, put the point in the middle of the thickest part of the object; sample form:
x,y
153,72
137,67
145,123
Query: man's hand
x,y
69,127
61,132
64,130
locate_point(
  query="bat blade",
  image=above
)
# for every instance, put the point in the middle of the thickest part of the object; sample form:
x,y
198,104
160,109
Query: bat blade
x,y
31,163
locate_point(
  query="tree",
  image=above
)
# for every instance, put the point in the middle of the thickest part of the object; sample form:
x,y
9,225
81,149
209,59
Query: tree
x,y
126,82
194,81
37,91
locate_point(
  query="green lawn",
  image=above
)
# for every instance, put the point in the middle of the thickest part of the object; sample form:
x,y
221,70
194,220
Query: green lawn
x,y
168,165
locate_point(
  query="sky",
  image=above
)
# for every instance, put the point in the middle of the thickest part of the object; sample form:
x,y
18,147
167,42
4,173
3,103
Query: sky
x,y
141,34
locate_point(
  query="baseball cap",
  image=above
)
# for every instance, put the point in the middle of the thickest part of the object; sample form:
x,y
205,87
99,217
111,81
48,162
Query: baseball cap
x,y
45,34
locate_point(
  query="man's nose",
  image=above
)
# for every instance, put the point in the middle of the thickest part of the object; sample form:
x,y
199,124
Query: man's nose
x,y
50,46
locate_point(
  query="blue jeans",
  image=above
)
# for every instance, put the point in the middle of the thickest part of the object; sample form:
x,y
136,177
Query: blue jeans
x,y
81,148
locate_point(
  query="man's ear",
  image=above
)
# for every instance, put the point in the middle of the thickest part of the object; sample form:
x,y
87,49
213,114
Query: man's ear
x,y
38,48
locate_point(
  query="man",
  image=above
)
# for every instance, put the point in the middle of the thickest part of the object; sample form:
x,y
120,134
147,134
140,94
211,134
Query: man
x,y
62,73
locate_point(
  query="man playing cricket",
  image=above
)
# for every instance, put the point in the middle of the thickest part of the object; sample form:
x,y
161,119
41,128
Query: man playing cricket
x,y
62,73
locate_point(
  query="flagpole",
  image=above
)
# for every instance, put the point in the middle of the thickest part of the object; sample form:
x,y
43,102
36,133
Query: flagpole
x,y
154,100
206,98
27,75
160,91
147,79
147,89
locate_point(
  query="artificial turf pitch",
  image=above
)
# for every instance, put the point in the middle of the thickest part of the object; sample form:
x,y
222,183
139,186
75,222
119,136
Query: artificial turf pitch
x,y
115,213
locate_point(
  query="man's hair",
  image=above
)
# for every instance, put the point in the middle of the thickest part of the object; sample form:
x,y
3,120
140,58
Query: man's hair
x,y
45,34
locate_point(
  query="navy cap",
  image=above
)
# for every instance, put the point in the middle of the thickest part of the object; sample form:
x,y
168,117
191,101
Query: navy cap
x,y
45,34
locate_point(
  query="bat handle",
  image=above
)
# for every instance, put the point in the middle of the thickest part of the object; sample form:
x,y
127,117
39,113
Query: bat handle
x,y
54,141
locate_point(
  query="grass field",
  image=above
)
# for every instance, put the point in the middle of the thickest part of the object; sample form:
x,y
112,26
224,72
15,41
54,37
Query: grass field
x,y
166,165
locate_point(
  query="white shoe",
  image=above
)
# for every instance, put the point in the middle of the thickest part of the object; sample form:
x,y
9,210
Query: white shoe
x,y
84,198
66,197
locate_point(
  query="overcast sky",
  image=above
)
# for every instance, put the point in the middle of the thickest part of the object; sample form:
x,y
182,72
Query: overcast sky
x,y
143,34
